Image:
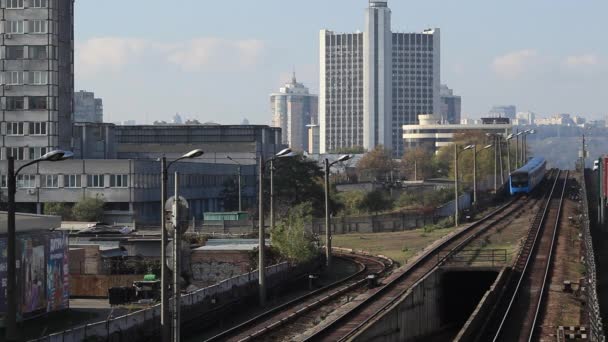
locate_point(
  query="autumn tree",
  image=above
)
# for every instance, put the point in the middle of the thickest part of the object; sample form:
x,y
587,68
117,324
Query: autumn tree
x,y
376,164
418,164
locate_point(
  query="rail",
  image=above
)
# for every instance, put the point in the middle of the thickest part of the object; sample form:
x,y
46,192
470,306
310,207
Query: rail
x,y
527,253
384,262
424,258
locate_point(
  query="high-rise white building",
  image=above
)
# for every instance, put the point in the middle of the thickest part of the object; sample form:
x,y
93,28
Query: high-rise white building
x,y
373,83
293,107
37,63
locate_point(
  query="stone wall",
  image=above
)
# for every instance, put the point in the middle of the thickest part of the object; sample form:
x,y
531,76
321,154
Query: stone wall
x,y
210,267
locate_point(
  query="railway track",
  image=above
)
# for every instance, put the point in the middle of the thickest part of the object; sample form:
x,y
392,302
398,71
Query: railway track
x,y
517,313
355,320
267,322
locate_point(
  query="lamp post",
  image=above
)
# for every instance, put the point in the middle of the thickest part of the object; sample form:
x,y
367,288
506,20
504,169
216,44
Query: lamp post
x,y
11,258
517,154
164,271
475,152
525,144
328,166
507,139
261,231
239,175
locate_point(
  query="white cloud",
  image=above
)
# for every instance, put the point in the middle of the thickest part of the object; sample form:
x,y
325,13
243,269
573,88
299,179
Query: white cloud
x,y
514,64
108,53
212,53
98,55
586,60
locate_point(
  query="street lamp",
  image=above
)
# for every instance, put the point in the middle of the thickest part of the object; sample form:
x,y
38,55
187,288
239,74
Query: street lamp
x,y
328,166
507,139
239,175
475,152
517,154
11,294
261,244
164,272
524,151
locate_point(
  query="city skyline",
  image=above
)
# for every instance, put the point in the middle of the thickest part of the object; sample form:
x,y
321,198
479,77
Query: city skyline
x,y
486,64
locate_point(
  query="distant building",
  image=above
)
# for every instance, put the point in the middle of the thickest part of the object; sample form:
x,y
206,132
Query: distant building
x,y
509,111
431,134
524,118
177,119
313,139
87,108
129,122
376,81
293,107
558,119
450,105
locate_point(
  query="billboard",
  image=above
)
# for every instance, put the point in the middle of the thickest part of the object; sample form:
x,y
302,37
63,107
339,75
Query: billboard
x,y
42,273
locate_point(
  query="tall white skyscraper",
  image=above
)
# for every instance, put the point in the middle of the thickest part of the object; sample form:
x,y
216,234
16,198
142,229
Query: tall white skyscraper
x,y
375,82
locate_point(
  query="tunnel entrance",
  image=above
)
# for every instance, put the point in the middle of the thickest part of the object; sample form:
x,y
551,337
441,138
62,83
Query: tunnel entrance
x,y
461,292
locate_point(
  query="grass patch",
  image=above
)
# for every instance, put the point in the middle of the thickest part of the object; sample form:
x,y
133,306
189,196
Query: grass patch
x,y
399,246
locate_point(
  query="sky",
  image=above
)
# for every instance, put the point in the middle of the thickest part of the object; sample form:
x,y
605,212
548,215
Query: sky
x,y
219,60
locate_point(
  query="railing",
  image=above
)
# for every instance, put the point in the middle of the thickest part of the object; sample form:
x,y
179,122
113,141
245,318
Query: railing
x,y
596,328
476,257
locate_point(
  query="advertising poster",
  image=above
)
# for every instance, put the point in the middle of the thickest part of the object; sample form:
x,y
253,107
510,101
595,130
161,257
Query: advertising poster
x,y
3,275
33,274
55,273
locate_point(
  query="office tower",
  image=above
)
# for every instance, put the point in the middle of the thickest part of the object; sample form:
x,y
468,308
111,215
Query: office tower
x,y
87,108
293,107
450,105
503,112
373,83
37,47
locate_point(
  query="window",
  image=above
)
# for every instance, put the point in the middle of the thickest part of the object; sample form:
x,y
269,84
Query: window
x,y
49,181
15,103
26,181
71,181
95,181
13,26
38,26
16,152
37,52
119,181
37,152
38,77
3,183
37,102
38,3
14,128
15,52
13,77
37,128
12,4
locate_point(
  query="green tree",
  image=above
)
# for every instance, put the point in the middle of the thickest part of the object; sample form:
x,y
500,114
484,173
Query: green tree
x,y
376,201
351,202
57,209
88,209
291,238
230,195
376,163
418,164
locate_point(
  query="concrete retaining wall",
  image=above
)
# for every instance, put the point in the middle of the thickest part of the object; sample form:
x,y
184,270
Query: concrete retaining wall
x,y
144,325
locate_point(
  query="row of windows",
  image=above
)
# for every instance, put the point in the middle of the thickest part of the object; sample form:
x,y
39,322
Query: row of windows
x,y
18,128
14,52
33,103
19,153
21,4
69,181
24,77
35,26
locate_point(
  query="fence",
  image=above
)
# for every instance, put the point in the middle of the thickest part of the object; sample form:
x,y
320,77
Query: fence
x,y
136,325
596,329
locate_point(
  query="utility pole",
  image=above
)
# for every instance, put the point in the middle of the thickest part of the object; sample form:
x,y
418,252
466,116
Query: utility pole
x,y
176,263
456,206
240,190
495,167
475,175
261,261
11,258
502,170
164,272
517,149
327,221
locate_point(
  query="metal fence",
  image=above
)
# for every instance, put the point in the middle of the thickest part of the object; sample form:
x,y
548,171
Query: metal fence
x,y
596,329
112,329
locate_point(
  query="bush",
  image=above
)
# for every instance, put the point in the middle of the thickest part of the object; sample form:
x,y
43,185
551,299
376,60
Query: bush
x,y
88,209
376,201
291,238
58,209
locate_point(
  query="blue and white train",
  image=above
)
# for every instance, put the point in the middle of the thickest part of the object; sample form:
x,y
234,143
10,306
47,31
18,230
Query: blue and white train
x,y
526,178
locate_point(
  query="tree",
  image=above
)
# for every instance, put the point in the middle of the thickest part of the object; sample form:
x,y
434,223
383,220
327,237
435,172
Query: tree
x,y
230,195
351,202
296,180
376,201
57,209
376,163
88,209
418,164
291,238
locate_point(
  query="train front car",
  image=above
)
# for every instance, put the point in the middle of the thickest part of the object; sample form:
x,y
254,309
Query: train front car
x,y
526,178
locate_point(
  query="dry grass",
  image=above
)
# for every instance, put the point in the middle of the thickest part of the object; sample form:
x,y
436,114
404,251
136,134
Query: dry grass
x,y
399,246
